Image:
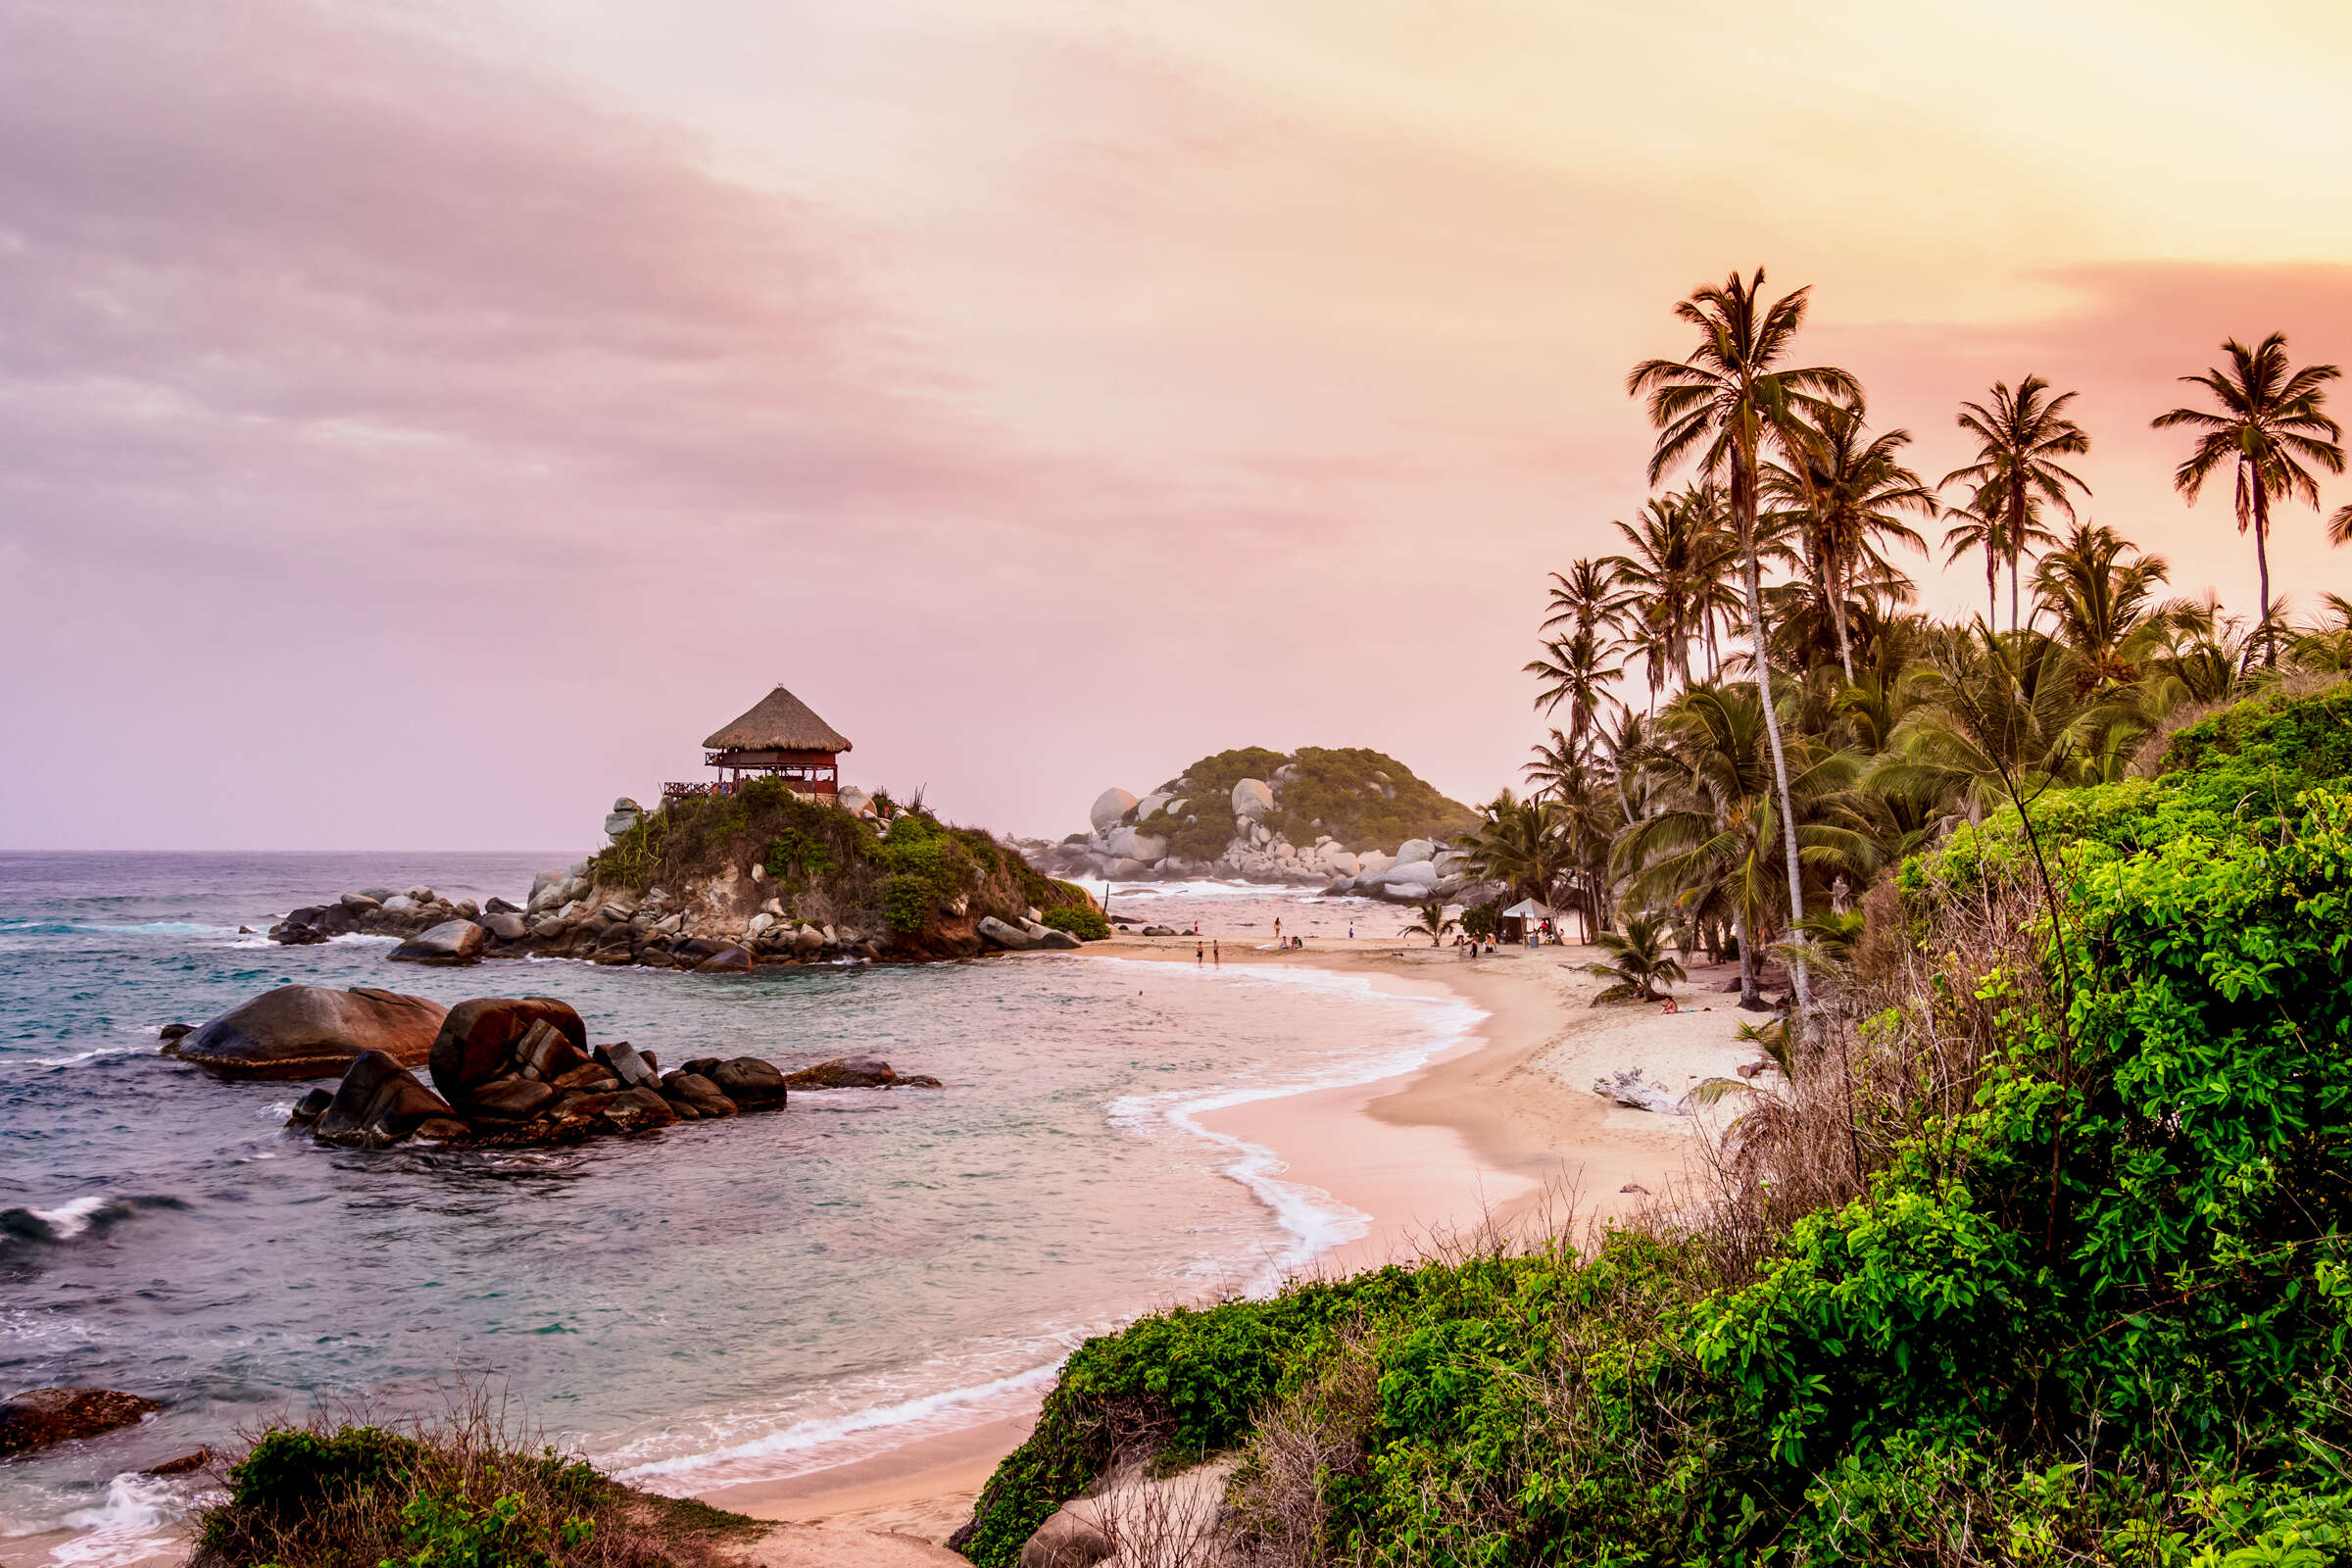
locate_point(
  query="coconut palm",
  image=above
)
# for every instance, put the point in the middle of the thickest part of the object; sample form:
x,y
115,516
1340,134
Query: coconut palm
x,y
2327,643
1519,844
1582,597
2271,430
2020,436
1639,961
1846,492
1730,405
1434,922
1978,526
1577,669
2101,591
1711,833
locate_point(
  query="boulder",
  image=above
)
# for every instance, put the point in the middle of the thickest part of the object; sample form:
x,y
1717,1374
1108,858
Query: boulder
x,y
187,1463
753,1084
310,1108
451,942
296,934
1066,1540
622,818
361,904
1339,862
726,960
511,1099
1109,808
1412,850
635,1111
625,1065
544,1052
503,924
694,1091
402,903
1011,938
853,799
1252,797
1371,863
1058,939
501,906
1161,931
39,1417
847,1072
377,1102
478,1039
312,1032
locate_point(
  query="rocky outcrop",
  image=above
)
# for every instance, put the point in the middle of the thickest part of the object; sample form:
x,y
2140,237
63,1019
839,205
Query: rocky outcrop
x,y
1025,937
312,1032
519,1071
372,912
40,1417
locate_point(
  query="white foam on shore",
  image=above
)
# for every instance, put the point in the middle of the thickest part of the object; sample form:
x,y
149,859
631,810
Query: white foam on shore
x,y
823,1441
1316,1221
71,1218
133,1522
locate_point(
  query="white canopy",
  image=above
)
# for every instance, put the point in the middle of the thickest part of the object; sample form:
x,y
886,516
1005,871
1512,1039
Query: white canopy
x,y
1527,909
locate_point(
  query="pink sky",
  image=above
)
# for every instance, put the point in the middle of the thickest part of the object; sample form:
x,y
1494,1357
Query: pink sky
x,y
421,424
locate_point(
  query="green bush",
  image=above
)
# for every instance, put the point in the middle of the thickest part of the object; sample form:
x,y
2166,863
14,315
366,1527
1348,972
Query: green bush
x,y
1084,921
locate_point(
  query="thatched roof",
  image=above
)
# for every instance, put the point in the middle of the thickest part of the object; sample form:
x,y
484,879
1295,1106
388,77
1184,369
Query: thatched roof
x,y
781,722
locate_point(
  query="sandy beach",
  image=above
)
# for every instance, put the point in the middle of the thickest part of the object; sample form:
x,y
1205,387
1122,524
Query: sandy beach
x,y
1501,1136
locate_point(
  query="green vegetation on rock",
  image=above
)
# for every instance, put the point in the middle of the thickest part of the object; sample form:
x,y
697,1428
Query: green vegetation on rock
x,y
2090,1301
829,865
1364,799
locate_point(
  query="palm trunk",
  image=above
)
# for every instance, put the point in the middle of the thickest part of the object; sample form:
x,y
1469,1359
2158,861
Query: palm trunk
x,y
1992,587
2017,544
1845,649
2261,570
1750,995
1744,503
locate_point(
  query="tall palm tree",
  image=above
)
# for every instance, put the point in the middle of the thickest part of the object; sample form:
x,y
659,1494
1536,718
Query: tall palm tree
x,y
1576,670
1728,405
1978,526
2272,423
1520,844
1583,595
2020,436
1848,490
1656,581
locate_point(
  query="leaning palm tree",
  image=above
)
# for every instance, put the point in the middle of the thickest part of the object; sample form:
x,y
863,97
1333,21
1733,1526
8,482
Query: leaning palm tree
x,y
1640,956
1729,405
2272,425
2020,436
1848,490
1434,922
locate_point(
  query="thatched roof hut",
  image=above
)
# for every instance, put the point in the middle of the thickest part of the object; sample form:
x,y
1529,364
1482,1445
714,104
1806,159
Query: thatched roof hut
x,y
780,736
778,722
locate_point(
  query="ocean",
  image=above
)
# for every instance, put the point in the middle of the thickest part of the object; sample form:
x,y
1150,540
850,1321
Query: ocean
x,y
735,1301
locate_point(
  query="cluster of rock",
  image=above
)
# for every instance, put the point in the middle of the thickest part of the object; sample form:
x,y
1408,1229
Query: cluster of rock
x,y
383,913
503,1069
1122,848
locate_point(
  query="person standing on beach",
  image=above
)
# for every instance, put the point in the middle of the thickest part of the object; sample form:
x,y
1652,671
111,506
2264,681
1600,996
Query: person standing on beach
x,y
1216,953
1277,930
1200,952
1351,930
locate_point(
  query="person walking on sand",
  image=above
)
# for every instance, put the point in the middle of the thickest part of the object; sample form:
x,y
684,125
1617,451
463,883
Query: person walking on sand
x,y
1277,930
1351,930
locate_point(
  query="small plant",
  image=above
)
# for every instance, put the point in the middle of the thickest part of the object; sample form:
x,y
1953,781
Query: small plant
x,y
1084,921
1434,923
1641,957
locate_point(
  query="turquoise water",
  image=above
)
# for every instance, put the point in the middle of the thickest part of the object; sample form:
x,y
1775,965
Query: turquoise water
x,y
730,1301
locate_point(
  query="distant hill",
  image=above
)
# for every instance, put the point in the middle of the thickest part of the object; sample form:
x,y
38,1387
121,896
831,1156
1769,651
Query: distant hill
x,y
1316,815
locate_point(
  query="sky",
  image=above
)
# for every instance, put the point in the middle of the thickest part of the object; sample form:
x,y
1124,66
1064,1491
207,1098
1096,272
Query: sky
x,y
421,423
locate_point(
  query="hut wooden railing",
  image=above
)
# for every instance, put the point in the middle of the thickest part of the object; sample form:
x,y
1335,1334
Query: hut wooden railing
x,y
728,786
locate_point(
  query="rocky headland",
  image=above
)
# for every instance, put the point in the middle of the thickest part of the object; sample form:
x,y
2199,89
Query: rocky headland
x,y
724,884
1344,821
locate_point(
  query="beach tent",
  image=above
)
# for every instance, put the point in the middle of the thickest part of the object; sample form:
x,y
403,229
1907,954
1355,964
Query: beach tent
x,y
1515,919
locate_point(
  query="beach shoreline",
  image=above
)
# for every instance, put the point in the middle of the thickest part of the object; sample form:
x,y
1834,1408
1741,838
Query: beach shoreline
x,y
1496,1140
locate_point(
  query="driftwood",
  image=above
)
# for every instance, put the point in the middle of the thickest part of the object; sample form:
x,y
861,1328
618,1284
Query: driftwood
x,y
1631,1089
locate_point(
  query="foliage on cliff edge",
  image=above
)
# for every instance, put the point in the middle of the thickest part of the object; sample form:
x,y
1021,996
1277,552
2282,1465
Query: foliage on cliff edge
x,y
827,865
1364,799
2088,1298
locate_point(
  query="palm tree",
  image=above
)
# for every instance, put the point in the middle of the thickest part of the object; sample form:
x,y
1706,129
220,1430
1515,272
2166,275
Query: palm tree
x,y
1434,922
2327,644
1978,526
1583,595
1848,491
1639,961
1653,580
1576,670
1727,405
2101,588
2271,425
2019,439
1709,837
1519,845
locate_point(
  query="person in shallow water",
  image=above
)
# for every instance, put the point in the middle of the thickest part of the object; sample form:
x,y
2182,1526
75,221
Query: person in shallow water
x,y
1200,952
1216,952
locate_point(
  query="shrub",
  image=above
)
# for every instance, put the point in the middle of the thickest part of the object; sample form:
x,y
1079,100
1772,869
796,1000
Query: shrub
x,y
1084,921
466,1489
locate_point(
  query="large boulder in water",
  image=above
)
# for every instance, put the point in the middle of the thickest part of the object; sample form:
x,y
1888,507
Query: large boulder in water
x,y
312,1032
451,942
855,1072
39,1417
379,1101
477,1040
1109,806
